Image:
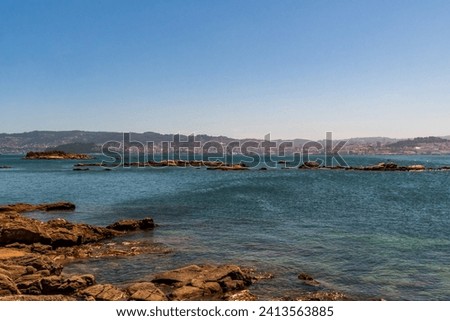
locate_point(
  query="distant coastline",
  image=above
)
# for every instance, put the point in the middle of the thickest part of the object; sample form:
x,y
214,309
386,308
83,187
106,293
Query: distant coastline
x,y
78,141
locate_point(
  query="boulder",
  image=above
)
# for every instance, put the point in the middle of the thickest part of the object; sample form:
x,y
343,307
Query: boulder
x,y
7,286
416,168
244,295
187,293
206,281
103,292
178,277
66,285
15,228
132,225
145,291
310,164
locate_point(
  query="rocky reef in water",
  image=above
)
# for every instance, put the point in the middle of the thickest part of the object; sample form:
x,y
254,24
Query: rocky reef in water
x,y
55,155
33,254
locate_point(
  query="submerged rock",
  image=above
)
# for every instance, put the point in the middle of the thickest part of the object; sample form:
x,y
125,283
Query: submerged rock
x,y
324,296
308,279
133,225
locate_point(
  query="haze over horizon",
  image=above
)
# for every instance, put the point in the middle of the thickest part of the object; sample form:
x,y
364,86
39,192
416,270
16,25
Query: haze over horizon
x,y
295,69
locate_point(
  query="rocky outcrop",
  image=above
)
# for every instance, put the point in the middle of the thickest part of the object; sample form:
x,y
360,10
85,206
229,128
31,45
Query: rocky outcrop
x,y
380,167
145,291
33,253
311,164
45,207
196,282
15,228
64,240
103,292
55,155
416,168
133,225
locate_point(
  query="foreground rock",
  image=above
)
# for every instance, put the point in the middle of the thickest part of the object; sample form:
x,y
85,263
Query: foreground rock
x,y
33,254
16,228
55,155
197,282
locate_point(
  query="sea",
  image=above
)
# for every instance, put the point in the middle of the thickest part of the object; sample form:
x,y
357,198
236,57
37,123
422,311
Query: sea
x,y
371,235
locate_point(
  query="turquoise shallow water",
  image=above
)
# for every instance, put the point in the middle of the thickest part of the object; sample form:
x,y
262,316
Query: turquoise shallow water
x,y
372,234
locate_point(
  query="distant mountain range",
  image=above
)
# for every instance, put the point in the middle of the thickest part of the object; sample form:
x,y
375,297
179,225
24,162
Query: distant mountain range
x,y
418,141
78,141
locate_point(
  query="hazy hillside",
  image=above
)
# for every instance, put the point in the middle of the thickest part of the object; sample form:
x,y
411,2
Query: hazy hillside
x,y
45,140
418,141
77,141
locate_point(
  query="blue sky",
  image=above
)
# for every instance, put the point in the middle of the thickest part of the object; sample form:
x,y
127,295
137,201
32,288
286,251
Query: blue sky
x,y
295,69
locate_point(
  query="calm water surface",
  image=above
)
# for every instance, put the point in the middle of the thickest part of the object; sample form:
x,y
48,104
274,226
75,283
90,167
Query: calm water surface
x,y
372,234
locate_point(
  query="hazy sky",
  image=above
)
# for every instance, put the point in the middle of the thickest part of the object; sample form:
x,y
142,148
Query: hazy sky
x,y
238,68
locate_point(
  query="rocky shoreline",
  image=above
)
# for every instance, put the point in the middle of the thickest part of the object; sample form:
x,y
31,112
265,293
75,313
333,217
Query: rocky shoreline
x,y
33,254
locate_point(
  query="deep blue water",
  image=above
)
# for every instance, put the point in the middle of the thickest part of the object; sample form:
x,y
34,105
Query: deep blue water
x,y
374,234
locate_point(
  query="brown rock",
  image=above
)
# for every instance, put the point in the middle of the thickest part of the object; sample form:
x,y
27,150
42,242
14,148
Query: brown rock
x,y
244,295
6,253
7,286
145,291
45,207
37,298
13,271
63,285
16,228
186,293
178,277
55,155
310,164
104,292
132,225
206,281
416,168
